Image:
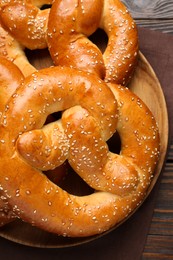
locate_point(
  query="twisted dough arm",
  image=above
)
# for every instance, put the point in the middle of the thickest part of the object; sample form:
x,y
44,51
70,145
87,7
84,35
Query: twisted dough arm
x,y
90,157
14,52
138,130
10,79
71,23
49,207
45,149
121,54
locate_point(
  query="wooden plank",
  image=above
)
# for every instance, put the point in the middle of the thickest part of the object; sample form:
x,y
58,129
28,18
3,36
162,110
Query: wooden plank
x,y
162,223
159,243
156,14
165,26
170,154
158,247
147,9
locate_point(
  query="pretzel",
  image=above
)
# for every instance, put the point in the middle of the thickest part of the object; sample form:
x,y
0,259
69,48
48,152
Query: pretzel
x,y
87,122
22,25
72,22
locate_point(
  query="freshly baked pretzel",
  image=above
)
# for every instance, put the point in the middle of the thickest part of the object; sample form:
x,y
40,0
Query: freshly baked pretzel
x,y
71,22
25,27
88,120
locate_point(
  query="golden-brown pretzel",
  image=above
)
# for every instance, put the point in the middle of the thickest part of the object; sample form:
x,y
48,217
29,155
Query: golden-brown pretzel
x,y
25,27
71,22
88,119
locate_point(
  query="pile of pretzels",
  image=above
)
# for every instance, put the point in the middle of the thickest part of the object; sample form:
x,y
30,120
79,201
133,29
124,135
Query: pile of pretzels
x,y
89,90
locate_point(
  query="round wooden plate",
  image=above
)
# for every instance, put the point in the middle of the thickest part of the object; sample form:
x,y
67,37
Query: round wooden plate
x,y
146,85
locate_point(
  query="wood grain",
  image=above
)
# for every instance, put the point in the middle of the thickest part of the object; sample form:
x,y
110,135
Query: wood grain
x,y
147,9
155,14
159,243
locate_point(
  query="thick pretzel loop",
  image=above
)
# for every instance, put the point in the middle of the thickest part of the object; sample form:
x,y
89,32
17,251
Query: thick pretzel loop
x,y
10,79
22,25
70,24
87,122
14,52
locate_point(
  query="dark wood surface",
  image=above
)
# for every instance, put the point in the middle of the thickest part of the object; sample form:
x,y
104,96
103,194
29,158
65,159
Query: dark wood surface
x,y
153,14
158,15
159,243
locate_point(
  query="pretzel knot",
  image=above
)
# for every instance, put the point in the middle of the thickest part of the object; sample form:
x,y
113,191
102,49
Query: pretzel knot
x,y
71,23
80,136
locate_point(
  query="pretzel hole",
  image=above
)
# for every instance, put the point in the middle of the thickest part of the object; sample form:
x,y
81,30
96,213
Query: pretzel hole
x,y
45,6
114,143
70,182
40,59
95,38
53,117
75,185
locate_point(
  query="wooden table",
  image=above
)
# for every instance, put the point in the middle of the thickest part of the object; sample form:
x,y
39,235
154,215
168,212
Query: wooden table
x,y
158,15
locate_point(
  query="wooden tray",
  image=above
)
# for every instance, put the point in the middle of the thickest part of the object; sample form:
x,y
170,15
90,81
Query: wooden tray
x,y
146,85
